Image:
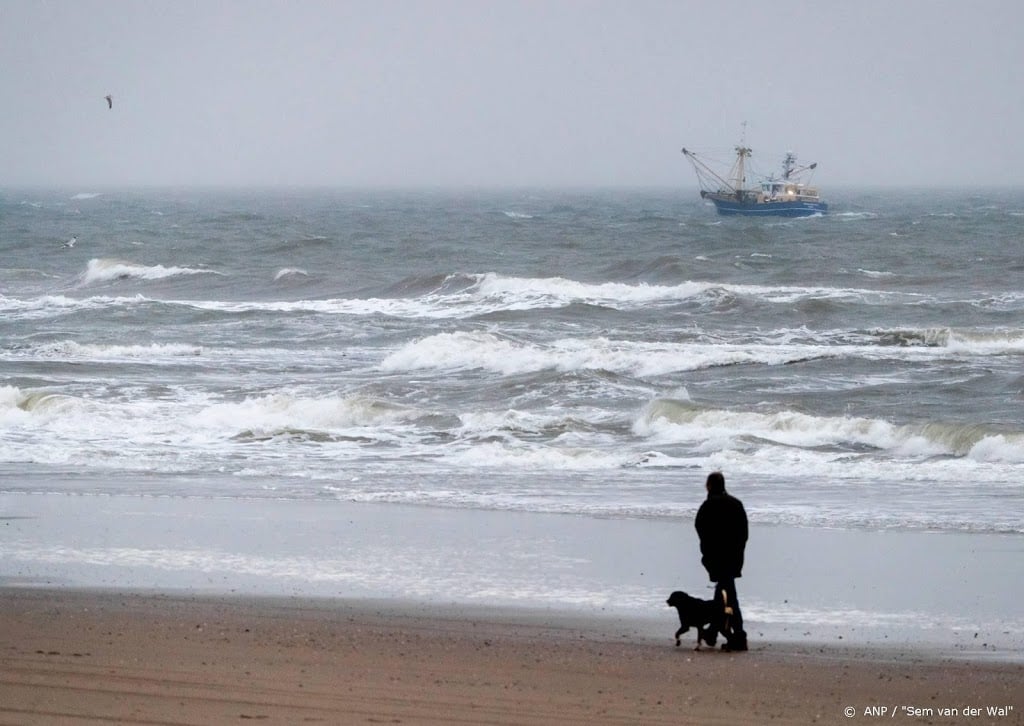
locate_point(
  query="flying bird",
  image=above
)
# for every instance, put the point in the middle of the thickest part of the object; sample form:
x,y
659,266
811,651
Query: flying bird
x,y
71,242
110,100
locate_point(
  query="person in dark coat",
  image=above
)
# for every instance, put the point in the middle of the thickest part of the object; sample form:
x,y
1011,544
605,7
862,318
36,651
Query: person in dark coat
x,y
722,528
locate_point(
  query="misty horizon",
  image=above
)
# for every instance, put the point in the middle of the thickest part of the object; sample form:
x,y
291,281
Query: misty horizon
x,y
505,95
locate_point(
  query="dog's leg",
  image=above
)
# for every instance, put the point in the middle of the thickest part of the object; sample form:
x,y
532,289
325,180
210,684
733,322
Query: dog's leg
x,y
678,633
709,636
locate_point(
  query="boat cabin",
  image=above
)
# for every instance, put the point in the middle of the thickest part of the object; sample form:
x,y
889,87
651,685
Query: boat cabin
x,y
774,190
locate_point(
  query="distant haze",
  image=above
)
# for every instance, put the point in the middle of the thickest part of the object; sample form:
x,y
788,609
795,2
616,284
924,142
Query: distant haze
x,y
500,93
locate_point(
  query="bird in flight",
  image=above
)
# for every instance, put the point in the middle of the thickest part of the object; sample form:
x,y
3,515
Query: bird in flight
x,y
110,100
71,242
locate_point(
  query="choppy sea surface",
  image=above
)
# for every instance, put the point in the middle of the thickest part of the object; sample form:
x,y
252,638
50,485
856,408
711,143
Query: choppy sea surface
x,y
583,352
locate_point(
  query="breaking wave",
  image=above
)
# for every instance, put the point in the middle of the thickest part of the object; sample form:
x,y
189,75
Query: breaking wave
x,y
104,270
679,420
488,351
70,349
290,272
1009,341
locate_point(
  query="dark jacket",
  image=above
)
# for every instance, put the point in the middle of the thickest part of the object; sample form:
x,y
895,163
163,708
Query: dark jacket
x,y
722,527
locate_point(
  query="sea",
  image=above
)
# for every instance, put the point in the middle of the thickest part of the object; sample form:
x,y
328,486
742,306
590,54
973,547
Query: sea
x,y
590,353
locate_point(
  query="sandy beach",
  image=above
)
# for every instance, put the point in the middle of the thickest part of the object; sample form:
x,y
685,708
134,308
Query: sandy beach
x,y
81,656
162,610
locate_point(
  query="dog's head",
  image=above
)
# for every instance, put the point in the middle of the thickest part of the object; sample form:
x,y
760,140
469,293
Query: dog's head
x,y
678,599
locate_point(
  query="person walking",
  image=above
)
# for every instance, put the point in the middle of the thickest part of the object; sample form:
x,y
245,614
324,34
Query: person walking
x,y
721,524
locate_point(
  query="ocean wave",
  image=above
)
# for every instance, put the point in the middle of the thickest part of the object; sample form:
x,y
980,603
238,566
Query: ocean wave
x,y
275,413
509,356
562,291
70,349
491,292
87,195
460,296
18,406
488,351
501,455
1004,302
106,270
976,342
290,272
50,305
673,420
615,294
559,291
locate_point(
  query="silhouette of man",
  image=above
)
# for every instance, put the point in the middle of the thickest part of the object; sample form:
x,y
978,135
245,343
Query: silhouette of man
x,y
722,528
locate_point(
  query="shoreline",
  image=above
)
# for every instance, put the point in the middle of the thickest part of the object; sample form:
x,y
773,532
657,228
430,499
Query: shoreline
x,y
77,655
953,594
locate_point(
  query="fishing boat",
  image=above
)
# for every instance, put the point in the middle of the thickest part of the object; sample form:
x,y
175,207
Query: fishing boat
x,y
785,196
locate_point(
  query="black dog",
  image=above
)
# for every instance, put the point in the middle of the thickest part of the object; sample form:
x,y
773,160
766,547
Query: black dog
x,y
698,614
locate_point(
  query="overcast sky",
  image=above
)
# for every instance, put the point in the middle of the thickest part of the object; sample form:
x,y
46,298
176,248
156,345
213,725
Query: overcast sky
x,y
506,93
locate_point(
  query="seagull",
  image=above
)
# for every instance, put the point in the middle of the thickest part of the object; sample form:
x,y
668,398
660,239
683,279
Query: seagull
x,y
71,242
110,100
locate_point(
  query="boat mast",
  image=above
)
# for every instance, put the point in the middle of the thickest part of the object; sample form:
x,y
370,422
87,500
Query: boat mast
x,y
787,165
739,176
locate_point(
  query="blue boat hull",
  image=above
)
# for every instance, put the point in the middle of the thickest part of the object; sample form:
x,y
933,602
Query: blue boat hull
x,y
733,207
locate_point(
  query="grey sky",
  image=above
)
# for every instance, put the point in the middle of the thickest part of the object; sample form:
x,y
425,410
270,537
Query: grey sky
x,y
479,92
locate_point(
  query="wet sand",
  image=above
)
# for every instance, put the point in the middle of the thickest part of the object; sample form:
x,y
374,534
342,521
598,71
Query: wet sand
x,y
72,656
960,593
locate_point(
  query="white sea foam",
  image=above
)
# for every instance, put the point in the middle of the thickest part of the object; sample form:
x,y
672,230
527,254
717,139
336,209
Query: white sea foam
x,y
556,291
103,270
667,420
561,291
293,439
40,410
87,195
959,340
69,349
286,411
517,215
564,291
49,305
544,458
1007,448
488,351
494,293
986,341
852,216
290,272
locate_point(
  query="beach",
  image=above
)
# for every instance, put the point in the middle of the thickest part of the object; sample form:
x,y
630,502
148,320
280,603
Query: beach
x,y
73,656
170,610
